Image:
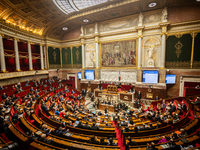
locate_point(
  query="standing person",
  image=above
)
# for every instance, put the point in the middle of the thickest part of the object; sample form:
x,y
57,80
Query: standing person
x,y
139,95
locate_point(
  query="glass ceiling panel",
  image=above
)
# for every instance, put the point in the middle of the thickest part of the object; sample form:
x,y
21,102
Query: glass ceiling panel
x,y
68,6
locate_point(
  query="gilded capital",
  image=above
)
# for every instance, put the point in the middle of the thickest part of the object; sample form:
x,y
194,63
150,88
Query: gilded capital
x,y
16,39
29,42
140,36
96,39
1,34
82,41
163,33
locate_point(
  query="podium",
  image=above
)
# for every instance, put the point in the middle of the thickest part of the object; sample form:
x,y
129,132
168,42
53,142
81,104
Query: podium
x,y
112,88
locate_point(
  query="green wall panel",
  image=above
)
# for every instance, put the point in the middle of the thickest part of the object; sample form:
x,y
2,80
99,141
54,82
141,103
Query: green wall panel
x,y
77,57
196,57
178,51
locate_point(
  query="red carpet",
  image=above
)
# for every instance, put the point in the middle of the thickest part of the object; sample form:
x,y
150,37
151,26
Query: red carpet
x,y
120,140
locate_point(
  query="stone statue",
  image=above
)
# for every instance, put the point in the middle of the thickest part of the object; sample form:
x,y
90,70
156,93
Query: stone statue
x,y
92,56
164,15
140,19
150,52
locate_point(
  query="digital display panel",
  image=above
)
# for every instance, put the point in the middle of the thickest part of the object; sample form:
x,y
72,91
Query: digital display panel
x,y
150,76
89,74
170,79
79,75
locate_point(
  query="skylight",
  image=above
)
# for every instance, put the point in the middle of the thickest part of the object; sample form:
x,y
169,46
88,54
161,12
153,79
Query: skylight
x,y
68,6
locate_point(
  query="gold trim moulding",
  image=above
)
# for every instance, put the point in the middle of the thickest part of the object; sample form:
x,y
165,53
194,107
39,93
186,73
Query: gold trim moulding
x,y
162,68
128,39
4,71
118,68
31,69
18,70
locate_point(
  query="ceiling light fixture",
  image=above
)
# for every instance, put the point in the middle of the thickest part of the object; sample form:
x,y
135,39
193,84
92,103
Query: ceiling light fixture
x,y
152,4
85,20
64,28
198,0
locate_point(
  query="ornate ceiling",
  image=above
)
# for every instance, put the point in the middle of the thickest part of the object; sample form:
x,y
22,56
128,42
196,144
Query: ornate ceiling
x,y
43,17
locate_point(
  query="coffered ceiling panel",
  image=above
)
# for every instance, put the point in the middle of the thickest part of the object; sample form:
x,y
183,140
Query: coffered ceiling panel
x,y
43,17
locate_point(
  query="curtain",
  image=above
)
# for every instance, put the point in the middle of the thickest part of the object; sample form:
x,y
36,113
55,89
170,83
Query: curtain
x,y
8,44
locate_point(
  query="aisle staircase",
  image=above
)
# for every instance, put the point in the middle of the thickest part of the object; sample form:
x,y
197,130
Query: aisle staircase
x,y
118,135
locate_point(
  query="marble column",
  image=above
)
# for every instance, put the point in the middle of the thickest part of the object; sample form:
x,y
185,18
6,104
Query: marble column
x,y
163,50
45,57
97,52
17,63
30,56
139,59
41,57
139,52
163,43
83,52
3,63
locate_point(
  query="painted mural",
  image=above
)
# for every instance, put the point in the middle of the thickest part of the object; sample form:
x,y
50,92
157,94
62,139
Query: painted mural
x,y
118,54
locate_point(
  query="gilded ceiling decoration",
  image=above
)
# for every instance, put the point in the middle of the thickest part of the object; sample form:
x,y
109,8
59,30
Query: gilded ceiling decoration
x,y
44,18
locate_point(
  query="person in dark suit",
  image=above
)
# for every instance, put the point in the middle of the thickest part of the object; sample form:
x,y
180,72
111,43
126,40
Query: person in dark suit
x,y
83,92
137,103
43,139
86,126
173,108
139,95
173,146
4,96
106,110
79,125
110,142
102,141
123,123
156,98
196,102
93,140
130,143
93,127
151,146
60,131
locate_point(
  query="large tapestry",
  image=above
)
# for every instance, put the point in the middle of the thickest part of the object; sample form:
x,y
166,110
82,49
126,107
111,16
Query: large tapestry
x,y
196,58
118,54
66,57
54,58
178,51
77,57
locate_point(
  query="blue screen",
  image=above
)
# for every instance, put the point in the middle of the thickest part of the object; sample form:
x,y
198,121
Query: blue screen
x,y
89,74
79,75
150,76
170,79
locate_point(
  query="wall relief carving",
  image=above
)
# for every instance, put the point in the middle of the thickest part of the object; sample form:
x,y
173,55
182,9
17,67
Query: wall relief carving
x,y
118,24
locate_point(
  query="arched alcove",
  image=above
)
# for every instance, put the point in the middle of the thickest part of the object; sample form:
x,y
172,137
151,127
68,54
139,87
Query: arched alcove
x,y
150,42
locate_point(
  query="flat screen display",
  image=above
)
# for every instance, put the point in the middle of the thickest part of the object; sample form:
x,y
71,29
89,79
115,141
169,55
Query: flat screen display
x,y
89,74
79,75
150,76
170,79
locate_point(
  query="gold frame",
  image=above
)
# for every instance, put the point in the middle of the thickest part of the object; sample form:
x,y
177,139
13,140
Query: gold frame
x,y
135,38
